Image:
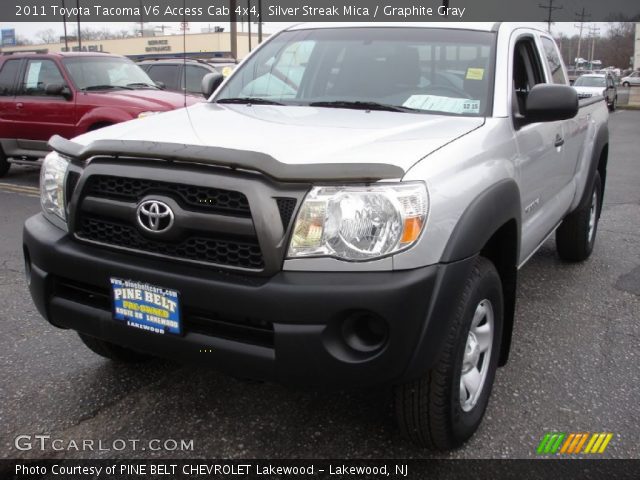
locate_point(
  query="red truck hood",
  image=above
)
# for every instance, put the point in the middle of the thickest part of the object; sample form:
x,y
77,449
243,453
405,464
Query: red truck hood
x,y
152,100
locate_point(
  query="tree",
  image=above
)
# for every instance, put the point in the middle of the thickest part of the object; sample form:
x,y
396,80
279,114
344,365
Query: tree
x,y
22,40
47,36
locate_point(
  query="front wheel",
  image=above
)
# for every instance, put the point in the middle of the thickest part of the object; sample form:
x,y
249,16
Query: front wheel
x,y
626,84
576,236
444,408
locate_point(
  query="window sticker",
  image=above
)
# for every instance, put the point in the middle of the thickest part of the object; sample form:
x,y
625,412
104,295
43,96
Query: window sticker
x,y
443,104
475,73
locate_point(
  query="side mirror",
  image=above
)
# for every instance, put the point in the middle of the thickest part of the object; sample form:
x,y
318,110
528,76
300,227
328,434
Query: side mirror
x,y
549,103
57,89
210,82
160,85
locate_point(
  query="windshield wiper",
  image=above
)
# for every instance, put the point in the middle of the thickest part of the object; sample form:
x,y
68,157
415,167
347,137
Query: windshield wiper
x,y
143,85
248,101
359,105
104,87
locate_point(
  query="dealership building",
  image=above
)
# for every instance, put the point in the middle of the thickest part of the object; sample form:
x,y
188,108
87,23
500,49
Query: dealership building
x,y
197,45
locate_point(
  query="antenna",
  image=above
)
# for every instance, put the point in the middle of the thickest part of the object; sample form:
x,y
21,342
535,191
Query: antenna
x,y
184,49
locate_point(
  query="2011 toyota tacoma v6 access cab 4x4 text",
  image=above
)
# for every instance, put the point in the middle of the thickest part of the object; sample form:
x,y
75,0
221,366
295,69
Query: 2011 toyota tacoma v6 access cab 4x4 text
x,y
350,208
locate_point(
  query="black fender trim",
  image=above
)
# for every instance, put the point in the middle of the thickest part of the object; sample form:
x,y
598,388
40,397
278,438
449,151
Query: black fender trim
x,y
230,158
600,143
493,208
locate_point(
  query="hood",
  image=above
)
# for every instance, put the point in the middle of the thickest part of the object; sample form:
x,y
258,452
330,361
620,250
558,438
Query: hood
x,y
151,99
299,135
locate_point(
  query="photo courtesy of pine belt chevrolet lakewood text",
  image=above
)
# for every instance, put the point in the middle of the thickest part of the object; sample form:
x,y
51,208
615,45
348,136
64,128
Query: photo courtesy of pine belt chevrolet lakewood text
x,y
350,208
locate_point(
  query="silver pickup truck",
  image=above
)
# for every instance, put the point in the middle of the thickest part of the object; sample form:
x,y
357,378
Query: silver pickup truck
x,y
350,208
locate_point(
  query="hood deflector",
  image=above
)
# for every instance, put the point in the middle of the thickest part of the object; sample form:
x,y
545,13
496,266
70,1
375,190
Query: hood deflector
x,y
230,158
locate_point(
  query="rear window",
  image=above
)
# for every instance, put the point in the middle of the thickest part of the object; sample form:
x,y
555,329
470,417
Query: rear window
x,y
8,73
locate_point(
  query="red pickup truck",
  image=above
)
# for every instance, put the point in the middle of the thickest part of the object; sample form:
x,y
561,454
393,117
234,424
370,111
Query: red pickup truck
x,y
69,94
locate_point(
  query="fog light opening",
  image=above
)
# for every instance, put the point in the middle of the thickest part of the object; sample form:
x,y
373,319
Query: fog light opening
x,y
365,332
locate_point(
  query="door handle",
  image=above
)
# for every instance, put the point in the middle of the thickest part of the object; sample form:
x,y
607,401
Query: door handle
x,y
559,141
19,105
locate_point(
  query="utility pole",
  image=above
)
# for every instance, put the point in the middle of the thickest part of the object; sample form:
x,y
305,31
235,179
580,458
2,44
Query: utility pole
x,y
79,32
234,29
550,9
581,18
593,30
259,21
249,22
64,26
141,20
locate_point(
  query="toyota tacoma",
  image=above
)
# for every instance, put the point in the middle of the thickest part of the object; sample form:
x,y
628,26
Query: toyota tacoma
x,y
350,208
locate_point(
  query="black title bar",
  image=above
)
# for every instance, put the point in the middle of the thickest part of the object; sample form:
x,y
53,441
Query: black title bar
x,y
316,10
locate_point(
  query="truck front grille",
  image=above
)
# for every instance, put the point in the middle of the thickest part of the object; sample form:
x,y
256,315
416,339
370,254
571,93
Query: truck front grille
x,y
191,196
244,254
233,220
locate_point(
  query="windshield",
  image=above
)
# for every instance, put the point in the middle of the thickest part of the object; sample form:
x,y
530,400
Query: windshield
x,y
102,73
398,69
590,82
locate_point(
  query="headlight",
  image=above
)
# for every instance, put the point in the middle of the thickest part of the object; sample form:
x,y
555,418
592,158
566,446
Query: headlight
x,y
359,223
52,175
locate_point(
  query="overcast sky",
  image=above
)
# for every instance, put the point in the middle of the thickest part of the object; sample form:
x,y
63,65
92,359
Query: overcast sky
x,y
30,29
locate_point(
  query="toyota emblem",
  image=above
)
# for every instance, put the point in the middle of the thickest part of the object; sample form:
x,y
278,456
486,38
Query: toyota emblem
x,y
154,216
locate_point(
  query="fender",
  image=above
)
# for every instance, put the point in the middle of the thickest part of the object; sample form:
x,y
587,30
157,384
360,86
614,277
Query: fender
x,y
601,142
487,213
103,115
492,209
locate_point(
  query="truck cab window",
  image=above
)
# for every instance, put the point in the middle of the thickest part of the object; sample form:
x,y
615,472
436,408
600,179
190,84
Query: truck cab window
x,y
527,72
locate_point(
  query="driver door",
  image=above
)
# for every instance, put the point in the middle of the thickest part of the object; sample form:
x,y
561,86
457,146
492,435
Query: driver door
x,y
40,116
539,161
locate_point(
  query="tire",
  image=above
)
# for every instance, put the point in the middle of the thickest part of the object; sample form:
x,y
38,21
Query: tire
x,y
576,236
626,84
4,164
112,351
614,104
436,411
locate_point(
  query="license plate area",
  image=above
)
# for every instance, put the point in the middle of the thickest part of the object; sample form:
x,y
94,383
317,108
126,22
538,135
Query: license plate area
x,y
146,307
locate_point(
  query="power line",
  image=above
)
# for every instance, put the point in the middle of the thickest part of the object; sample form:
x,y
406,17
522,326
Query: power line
x,y
550,8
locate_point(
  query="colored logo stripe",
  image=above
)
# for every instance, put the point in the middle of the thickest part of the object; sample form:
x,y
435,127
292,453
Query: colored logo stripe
x,y
573,443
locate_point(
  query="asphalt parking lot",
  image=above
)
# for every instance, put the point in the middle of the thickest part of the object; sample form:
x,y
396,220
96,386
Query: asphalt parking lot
x,y
575,363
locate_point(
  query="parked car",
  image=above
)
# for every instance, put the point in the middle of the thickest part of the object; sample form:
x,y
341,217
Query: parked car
x,y
45,94
598,84
329,231
181,75
630,80
574,73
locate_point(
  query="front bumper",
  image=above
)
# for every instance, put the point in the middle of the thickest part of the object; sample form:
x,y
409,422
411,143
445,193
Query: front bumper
x,y
286,328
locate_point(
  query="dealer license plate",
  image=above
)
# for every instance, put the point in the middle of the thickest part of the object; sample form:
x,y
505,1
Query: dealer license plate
x,y
145,306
